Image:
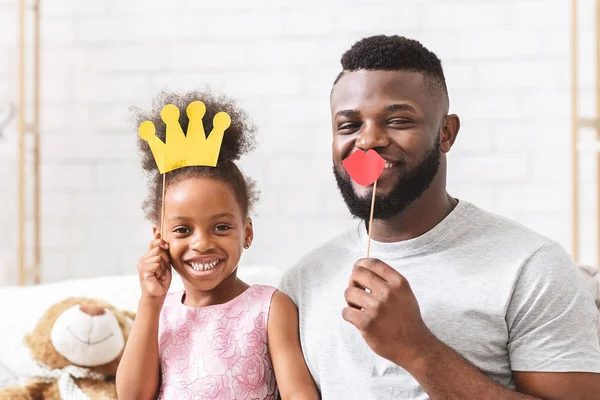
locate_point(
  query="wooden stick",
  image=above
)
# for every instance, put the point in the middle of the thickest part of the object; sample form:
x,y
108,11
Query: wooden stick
x,y
162,212
371,219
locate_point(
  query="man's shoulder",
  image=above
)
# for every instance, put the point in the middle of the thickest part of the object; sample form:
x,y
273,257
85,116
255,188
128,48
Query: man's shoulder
x,y
502,231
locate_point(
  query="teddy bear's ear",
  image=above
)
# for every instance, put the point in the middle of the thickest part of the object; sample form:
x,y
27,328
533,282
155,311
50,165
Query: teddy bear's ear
x,y
129,317
129,314
27,340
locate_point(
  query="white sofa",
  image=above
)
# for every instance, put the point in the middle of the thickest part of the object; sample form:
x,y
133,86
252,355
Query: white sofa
x,y
22,306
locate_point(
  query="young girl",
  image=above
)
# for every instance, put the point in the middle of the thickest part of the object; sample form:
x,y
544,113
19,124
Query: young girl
x,y
219,338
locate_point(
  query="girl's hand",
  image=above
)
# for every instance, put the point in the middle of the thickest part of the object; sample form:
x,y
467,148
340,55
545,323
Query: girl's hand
x,y
154,270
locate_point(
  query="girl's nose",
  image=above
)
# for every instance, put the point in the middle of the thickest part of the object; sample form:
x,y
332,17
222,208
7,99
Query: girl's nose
x,y
201,242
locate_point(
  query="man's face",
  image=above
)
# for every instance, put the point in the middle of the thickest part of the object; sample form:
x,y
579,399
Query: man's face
x,y
392,113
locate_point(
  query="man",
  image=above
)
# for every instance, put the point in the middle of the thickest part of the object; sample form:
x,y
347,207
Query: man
x,y
454,302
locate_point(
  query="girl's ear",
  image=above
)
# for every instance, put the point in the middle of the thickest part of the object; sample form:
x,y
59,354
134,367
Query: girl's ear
x,y
154,230
248,233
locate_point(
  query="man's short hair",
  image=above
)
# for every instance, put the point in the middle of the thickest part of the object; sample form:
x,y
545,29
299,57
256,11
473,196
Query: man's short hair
x,y
396,53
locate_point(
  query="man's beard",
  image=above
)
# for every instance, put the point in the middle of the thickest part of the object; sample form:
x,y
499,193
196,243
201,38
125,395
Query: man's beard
x,y
409,187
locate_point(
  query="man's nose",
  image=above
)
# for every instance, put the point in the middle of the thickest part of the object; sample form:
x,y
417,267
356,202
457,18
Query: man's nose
x,y
372,136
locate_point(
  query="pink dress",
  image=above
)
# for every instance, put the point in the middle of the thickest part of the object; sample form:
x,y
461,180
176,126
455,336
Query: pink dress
x,y
217,352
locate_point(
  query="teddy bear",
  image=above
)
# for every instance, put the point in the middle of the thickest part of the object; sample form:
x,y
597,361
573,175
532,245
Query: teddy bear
x,y
77,345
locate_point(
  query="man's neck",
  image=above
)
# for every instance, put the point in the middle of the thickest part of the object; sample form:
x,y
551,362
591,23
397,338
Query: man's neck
x,y
417,219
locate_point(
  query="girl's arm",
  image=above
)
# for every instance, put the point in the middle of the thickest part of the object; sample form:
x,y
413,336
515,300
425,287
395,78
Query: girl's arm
x,y
138,373
292,374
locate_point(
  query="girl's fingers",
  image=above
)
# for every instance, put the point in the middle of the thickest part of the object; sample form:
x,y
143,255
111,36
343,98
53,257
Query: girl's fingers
x,y
165,258
156,260
162,242
157,246
154,244
151,269
158,264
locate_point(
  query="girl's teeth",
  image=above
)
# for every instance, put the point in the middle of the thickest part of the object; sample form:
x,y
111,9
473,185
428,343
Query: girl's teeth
x,y
388,165
197,266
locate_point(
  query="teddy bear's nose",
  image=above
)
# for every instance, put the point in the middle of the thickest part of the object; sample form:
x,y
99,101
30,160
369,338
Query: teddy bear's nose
x,y
92,310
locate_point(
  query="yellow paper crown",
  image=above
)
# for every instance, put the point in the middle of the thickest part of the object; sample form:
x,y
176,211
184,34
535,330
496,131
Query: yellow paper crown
x,y
180,150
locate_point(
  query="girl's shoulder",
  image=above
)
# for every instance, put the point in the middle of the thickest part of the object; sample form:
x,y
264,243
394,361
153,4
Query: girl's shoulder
x,y
258,294
257,289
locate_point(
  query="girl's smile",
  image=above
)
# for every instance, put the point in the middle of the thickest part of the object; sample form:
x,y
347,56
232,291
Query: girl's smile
x,y
206,232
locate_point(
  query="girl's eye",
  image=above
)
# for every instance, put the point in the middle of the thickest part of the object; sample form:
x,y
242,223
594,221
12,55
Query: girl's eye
x,y
222,228
181,230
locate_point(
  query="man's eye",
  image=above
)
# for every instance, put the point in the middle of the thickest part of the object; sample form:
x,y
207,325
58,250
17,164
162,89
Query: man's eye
x,y
348,126
399,121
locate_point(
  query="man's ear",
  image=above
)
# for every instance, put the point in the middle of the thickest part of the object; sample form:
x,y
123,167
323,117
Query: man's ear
x,y
449,132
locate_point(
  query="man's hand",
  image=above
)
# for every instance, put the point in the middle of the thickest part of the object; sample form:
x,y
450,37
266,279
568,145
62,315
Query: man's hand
x,y
386,313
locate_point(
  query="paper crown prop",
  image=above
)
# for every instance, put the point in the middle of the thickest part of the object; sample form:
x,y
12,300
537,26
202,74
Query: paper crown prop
x,y
184,150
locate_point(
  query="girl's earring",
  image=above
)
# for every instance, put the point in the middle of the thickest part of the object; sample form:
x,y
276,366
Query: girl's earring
x,y
246,245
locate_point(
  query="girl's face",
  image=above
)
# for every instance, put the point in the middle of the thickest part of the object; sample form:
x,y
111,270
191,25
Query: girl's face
x,y
206,231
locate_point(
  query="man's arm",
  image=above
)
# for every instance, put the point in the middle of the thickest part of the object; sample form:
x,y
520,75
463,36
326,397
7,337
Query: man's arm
x,y
444,374
389,319
402,337
552,321
559,385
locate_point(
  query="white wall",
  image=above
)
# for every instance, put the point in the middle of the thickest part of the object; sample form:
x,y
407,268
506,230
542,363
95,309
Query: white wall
x,y
507,67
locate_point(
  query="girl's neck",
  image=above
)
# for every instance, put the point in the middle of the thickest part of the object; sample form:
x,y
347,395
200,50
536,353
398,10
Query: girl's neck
x,y
227,290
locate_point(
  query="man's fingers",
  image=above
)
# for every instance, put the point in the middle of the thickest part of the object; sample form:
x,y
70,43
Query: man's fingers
x,y
356,317
380,269
358,298
365,278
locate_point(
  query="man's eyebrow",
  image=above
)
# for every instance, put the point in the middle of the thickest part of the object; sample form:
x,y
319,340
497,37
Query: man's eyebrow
x,y
347,113
399,107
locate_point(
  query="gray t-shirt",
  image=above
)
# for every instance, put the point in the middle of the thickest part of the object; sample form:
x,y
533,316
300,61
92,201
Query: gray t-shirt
x,y
500,295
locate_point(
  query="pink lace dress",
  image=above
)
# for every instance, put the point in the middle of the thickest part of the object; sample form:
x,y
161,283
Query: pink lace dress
x,y
217,352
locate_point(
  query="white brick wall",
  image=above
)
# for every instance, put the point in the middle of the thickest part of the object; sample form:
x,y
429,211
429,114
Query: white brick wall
x,y
506,62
